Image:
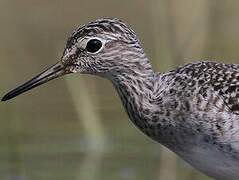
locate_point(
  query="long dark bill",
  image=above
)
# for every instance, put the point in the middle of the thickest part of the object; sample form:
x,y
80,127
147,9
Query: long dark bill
x,y
53,72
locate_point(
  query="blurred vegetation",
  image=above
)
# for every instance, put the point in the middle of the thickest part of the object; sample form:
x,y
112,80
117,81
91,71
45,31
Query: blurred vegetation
x,y
76,128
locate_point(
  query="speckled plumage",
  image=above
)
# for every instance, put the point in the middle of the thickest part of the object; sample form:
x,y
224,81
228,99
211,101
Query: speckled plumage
x,y
187,112
193,110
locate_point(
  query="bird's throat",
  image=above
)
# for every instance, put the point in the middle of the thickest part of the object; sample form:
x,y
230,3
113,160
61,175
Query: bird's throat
x,y
136,93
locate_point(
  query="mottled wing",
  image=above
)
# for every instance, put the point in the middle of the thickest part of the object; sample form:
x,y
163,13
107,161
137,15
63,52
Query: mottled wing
x,y
227,85
223,78
232,98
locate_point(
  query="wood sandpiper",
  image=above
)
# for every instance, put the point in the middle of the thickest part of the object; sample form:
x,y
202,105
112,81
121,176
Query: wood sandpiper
x,y
193,110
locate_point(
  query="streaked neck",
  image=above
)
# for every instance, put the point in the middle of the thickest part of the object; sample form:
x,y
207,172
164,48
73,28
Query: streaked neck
x,y
135,88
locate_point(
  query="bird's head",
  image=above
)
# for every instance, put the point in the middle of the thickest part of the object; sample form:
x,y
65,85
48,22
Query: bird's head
x,y
102,47
105,47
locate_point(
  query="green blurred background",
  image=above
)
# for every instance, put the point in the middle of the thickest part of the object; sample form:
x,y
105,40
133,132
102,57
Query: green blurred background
x,y
75,127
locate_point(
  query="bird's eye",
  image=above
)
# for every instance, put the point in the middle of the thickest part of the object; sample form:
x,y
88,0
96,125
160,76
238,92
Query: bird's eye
x,y
93,45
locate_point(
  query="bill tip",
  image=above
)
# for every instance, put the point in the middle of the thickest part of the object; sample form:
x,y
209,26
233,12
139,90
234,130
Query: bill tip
x,y
4,98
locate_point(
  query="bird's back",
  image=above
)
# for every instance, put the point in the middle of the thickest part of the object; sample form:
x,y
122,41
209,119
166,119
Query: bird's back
x,y
223,79
201,104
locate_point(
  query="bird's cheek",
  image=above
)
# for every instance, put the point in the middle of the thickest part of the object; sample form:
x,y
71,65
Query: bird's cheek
x,y
75,69
83,66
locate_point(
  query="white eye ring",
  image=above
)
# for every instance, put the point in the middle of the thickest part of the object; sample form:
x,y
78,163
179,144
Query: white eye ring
x,y
94,45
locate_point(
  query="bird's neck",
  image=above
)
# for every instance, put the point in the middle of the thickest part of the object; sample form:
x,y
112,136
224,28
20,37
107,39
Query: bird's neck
x,y
135,88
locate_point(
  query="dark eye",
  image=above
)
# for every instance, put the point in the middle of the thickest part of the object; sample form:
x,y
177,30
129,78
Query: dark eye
x,y
93,45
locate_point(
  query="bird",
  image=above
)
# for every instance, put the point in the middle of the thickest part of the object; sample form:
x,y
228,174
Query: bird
x,y
193,110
